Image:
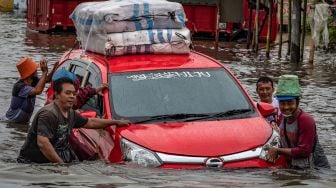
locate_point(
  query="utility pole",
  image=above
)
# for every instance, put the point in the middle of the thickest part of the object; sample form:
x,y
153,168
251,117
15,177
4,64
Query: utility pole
x,y
248,42
281,24
303,34
256,23
289,25
270,13
218,4
296,31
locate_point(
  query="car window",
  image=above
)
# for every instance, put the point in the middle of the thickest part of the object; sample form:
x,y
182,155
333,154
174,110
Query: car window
x,y
79,72
196,91
92,103
89,77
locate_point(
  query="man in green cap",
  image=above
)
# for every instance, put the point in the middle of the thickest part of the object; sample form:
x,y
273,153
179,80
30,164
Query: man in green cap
x,y
297,129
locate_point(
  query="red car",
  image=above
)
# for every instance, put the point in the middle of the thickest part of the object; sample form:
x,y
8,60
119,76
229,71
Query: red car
x,y
187,111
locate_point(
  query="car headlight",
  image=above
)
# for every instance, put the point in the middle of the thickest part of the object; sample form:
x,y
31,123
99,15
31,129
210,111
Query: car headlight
x,y
137,154
274,141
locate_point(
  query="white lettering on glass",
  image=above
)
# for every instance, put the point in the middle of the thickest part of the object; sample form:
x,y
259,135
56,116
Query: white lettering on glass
x,y
169,75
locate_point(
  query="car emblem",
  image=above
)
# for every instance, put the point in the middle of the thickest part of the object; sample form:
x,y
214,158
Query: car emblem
x,y
214,163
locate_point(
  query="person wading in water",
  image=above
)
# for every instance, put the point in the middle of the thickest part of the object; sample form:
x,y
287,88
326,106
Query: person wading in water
x,y
48,137
297,129
26,88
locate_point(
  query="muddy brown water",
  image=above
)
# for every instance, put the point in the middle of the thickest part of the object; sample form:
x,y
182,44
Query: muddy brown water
x,y
319,88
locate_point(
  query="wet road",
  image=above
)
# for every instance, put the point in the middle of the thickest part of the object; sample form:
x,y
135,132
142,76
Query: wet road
x,y
318,83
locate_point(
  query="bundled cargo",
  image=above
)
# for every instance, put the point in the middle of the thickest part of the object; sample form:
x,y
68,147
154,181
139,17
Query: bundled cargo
x,y
128,15
118,27
157,41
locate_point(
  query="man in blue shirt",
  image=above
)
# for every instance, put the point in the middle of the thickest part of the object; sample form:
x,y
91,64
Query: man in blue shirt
x,y
25,90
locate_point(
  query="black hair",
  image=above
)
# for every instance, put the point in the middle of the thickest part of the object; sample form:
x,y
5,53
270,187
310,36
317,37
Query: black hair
x,y
59,82
265,79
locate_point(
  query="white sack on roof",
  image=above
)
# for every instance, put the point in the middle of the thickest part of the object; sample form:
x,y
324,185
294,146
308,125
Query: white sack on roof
x,y
127,15
157,41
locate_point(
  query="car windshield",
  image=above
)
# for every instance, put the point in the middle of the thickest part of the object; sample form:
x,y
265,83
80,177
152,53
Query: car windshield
x,y
177,94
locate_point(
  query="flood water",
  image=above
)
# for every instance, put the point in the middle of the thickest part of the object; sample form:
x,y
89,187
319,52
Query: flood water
x,y
319,89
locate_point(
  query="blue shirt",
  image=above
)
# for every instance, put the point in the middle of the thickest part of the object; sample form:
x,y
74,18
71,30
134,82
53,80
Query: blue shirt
x,y
22,104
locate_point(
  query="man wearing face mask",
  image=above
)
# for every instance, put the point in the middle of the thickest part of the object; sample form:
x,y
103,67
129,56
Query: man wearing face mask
x,y
297,129
26,88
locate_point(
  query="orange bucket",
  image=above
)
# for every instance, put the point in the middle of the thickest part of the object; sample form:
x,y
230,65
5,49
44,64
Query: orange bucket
x,y
26,67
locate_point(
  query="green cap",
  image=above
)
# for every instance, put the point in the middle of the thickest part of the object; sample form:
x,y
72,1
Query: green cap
x,y
288,86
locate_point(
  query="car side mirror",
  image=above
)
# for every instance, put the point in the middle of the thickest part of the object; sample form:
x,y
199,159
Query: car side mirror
x,y
89,114
265,109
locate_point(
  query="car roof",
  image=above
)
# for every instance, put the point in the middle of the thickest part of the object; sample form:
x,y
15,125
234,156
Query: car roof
x,y
145,62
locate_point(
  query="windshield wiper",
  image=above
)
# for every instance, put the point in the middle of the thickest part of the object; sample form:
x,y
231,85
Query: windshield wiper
x,y
228,113
172,117
231,112
194,117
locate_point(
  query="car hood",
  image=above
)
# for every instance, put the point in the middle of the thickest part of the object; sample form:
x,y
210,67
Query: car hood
x,y
207,138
